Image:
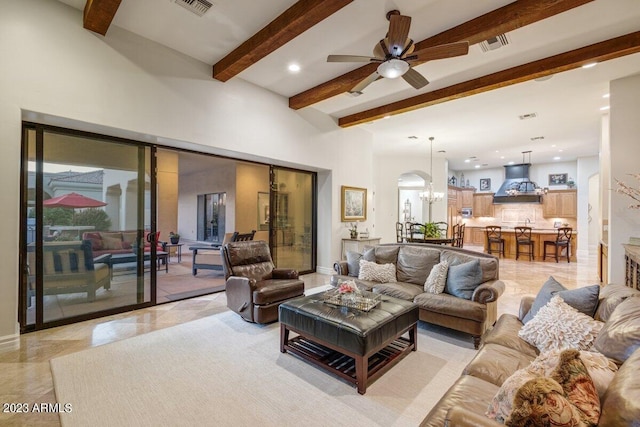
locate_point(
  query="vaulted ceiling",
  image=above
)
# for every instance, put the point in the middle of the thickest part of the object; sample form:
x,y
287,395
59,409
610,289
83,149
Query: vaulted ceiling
x,y
473,102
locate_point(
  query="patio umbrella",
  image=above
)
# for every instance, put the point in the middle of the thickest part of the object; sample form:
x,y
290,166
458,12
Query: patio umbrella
x,y
73,201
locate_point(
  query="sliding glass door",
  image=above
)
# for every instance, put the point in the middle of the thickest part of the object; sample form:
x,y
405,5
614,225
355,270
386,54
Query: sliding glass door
x,y
293,208
88,241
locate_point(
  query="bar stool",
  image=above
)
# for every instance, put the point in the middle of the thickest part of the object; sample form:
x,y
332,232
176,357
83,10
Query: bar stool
x,y
563,240
523,237
494,236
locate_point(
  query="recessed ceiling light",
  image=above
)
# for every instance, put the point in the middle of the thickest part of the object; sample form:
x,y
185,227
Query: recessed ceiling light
x,y
477,166
605,108
553,145
497,151
511,162
557,158
467,160
560,150
294,68
386,117
590,65
502,157
606,95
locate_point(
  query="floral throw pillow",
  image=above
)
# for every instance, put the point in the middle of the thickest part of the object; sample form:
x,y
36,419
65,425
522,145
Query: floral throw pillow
x,y
383,273
437,278
557,325
567,398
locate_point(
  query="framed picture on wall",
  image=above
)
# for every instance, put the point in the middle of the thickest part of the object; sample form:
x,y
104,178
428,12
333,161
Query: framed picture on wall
x,y
558,178
485,184
354,204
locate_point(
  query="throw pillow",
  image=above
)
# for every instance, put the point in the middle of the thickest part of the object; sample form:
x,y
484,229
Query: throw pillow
x,y
600,368
568,397
502,403
111,243
353,263
463,279
557,325
383,273
437,278
620,336
584,299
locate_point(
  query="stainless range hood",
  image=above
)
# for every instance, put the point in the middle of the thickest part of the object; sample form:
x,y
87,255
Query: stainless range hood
x,y
517,188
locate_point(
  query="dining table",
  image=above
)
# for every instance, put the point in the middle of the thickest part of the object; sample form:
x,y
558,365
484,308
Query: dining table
x,y
432,240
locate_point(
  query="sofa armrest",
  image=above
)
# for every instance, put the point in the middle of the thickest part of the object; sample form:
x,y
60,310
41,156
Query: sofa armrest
x,y
284,273
104,259
525,305
459,416
341,267
488,291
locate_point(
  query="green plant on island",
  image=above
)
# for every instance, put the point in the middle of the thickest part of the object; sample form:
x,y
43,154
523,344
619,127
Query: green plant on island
x,y
174,235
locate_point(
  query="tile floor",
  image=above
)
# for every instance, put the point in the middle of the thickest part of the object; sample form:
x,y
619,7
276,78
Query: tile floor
x,y
26,376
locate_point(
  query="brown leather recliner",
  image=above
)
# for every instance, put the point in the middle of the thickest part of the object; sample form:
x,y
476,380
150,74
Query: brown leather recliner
x,y
255,288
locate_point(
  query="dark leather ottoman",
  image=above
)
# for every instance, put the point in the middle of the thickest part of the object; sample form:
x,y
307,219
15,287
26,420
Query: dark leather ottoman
x,y
356,345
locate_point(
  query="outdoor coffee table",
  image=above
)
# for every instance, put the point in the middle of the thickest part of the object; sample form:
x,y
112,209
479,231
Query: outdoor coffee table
x,y
358,346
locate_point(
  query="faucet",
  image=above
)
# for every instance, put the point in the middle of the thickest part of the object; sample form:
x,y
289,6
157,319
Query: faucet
x,y
527,221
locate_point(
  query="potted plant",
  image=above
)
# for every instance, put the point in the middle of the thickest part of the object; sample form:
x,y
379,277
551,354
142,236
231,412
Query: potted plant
x,y
353,230
431,230
174,238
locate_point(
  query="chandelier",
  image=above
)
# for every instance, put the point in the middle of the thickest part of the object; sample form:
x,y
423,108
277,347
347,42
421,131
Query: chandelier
x,y
525,186
429,195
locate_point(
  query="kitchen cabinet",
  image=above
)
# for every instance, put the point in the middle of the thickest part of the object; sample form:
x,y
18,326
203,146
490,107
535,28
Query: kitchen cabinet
x,y
467,197
474,236
560,204
483,205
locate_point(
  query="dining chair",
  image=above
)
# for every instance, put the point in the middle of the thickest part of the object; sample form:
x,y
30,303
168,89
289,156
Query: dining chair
x,y
494,237
562,242
523,238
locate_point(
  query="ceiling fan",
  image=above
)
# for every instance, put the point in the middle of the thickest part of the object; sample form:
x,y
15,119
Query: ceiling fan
x,y
395,53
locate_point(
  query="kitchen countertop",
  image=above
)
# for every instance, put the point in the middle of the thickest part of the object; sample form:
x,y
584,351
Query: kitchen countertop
x,y
533,230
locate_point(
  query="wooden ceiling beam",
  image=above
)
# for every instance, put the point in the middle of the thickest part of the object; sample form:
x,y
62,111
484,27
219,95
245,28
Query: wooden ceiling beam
x,y
599,52
98,15
290,24
507,18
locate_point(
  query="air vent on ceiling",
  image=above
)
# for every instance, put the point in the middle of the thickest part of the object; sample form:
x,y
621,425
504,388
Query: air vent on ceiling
x,y
528,116
494,43
199,7
537,138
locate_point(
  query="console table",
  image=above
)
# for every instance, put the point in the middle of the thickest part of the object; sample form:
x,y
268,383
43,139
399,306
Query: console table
x,y
357,245
632,266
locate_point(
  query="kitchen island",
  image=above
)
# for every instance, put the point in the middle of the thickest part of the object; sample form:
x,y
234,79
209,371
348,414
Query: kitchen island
x,y
477,236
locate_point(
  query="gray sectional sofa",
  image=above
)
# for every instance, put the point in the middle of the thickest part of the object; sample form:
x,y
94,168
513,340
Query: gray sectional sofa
x,y
413,261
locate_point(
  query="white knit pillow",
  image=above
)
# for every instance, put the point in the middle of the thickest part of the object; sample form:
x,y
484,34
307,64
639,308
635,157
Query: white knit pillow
x,y
437,278
557,325
383,273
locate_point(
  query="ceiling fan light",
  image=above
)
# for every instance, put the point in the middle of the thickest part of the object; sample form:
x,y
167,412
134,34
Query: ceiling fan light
x,y
393,68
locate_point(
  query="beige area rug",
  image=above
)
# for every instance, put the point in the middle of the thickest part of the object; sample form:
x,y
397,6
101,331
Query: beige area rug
x,y
223,371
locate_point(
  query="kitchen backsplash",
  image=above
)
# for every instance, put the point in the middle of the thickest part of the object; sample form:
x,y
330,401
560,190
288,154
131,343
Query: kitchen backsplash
x,y
516,214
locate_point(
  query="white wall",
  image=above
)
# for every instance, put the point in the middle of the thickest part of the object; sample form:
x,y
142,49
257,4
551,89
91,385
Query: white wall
x,y
625,152
56,72
587,167
388,169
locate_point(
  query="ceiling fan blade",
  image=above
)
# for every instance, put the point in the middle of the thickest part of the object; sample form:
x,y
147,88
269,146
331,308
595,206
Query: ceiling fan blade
x,y
415,79
352,58
366,82
440,52
398,32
